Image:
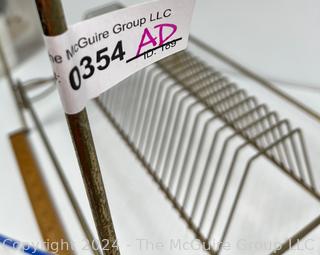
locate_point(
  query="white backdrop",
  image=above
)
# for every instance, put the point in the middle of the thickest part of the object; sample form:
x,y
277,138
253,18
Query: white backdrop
x,y
279,39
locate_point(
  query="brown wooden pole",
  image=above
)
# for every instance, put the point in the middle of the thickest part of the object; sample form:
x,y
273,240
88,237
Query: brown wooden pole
x,y
53,23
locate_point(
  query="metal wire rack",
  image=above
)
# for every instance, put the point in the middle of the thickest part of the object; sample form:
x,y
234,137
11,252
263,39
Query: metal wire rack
x,y
181,118
189,125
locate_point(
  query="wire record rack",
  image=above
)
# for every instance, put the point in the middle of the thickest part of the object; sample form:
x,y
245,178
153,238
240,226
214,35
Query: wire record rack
x,y
236,157
216,151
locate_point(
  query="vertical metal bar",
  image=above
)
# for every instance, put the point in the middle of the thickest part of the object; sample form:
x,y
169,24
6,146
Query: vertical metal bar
x,y
84,146
53,23
8,75
75,205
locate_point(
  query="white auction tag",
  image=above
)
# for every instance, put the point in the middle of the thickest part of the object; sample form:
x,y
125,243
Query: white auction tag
x,y
96,54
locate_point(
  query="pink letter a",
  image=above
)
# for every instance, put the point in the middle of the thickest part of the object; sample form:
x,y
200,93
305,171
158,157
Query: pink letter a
x,y
152,40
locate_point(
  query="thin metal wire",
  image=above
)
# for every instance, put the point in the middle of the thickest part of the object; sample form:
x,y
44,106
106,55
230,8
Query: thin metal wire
x,y
59,170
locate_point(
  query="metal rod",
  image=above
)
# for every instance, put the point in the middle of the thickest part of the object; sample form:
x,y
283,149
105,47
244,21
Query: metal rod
x,y
290,243
76,207
8,75
21,100
53,23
